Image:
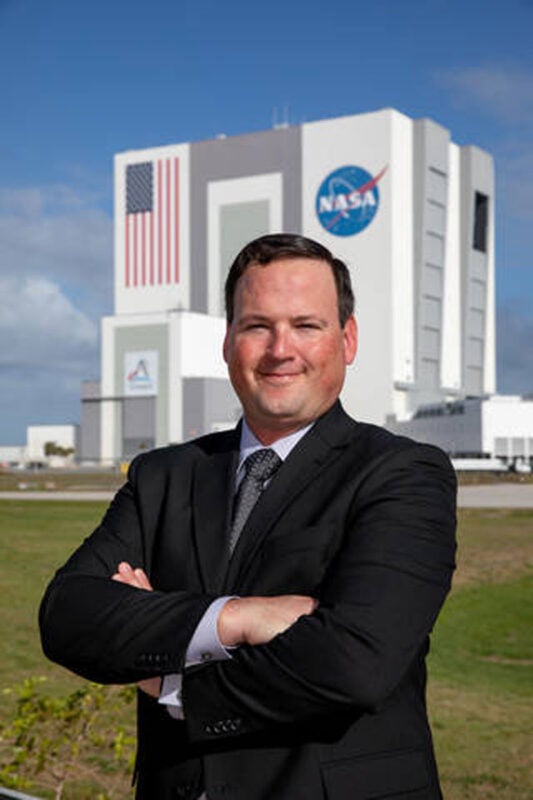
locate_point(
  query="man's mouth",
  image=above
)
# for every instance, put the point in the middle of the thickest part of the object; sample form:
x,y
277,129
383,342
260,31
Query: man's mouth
x,y
279,377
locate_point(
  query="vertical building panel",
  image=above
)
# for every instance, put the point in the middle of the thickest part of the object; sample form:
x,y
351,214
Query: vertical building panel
x,y
330,151
402,271
238,210
239,157
477,271
431,198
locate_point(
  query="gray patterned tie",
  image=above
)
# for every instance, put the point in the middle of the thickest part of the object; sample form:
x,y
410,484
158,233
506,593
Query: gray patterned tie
x,y
259,466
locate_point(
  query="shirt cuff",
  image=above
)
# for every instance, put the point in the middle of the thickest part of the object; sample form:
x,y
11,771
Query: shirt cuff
x,y
205,645
170,695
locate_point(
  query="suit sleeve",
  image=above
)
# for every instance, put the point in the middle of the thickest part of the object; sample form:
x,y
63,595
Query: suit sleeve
x,y
106,631
378,603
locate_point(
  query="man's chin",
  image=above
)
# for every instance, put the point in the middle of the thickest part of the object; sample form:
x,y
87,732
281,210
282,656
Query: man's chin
x,y
281,414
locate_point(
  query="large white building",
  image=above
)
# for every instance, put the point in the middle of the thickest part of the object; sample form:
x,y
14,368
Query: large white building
x,y
408,210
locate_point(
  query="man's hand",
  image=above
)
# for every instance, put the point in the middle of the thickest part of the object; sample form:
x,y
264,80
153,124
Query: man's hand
x,y
138,579
151,686
256,620
132,577
243,620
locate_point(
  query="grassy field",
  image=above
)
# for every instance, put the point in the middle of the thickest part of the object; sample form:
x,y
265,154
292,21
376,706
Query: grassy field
x,y
481,663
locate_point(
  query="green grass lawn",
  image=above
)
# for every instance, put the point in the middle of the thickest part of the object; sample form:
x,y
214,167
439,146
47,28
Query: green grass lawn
x,y
481,662
35,539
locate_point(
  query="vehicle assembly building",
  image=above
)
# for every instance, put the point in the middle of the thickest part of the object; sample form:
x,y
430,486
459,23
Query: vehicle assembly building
x,y
409,211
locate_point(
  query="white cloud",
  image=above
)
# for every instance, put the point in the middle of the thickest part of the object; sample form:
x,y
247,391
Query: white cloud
x,y
516,180
56,277
515,353
48,347
40,326
59,232
504,93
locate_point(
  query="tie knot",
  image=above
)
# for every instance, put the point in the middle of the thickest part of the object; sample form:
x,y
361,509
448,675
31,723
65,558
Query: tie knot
x,y
262,464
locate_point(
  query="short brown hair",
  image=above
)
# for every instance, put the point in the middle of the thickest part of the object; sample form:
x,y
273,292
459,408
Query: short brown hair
x,y
277,246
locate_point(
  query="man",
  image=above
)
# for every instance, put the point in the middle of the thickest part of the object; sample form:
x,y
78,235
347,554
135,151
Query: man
x,y
296,618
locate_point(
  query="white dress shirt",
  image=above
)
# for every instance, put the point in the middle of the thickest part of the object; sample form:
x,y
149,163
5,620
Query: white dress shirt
x,y
205,645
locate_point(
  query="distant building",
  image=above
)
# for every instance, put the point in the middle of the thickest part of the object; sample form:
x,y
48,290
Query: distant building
x,y
52,445
498,427
408,210
12,455
46,446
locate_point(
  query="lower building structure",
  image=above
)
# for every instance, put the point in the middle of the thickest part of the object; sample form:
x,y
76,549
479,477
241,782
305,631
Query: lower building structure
x,y
497,428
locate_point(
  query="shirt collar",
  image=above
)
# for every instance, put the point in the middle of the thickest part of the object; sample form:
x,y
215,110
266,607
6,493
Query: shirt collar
x,y
250,443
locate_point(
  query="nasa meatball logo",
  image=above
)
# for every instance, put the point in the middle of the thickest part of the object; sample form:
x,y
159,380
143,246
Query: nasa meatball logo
x,y
348,200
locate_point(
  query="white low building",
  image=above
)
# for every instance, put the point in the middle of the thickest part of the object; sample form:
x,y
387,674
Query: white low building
x,y
52,445
12,455
496,427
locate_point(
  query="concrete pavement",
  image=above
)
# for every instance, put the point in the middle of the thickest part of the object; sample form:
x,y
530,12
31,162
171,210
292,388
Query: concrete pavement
x,y
496,495
51,495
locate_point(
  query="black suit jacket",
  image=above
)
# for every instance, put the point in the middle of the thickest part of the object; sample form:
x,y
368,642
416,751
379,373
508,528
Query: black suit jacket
x,y
335,706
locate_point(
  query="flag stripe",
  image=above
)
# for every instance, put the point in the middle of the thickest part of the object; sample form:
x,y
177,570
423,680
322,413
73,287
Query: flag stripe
x,y
151,229
135,249
167,171
143,251
151,249
160,221
176,223
127,249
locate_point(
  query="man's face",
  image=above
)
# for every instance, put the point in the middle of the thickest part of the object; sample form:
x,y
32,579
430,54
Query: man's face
x,y
285,349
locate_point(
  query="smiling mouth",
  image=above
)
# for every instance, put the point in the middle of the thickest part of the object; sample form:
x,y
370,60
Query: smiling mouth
x,y
279,377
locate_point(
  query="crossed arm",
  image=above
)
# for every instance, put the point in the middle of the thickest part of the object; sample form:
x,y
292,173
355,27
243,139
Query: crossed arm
x,y
243,620
378,601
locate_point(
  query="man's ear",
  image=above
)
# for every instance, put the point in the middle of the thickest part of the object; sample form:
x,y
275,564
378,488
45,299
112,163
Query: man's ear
x,y
350,339
225,346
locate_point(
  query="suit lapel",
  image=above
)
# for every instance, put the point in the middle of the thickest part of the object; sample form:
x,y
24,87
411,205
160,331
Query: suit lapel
x,y
321,446
212,500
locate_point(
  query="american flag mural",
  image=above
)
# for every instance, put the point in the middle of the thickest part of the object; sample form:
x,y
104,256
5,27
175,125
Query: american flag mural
x,y
152,223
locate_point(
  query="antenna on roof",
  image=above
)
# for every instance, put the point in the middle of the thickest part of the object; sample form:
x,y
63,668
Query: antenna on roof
x,y
284,122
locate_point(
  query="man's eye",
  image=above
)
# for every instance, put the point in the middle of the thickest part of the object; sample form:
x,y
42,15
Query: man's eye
x,y
309,326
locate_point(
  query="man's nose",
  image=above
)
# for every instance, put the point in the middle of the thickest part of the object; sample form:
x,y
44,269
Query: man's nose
x,y
280,343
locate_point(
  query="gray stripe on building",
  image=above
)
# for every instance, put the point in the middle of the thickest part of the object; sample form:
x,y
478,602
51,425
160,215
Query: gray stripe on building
x,y
239,157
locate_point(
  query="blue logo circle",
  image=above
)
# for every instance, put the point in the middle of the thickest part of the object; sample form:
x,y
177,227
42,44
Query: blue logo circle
x,y
347,200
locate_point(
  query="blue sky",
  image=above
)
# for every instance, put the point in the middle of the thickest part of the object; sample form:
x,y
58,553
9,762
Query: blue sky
x,y
81,81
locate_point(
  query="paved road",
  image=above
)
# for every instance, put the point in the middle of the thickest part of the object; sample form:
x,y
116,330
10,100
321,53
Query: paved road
x,y
499,495
50,495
